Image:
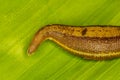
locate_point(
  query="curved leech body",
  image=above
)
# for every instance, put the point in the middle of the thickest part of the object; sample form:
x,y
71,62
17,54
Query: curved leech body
x,y
91,42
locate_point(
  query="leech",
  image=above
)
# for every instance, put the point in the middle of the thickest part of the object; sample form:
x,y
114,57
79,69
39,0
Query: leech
x,y
89,42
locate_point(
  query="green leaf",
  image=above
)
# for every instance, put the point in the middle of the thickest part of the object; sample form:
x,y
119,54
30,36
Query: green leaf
x,y
19,21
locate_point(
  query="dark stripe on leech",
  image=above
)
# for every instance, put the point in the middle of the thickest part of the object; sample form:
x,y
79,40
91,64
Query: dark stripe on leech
x,y
104,40
95,41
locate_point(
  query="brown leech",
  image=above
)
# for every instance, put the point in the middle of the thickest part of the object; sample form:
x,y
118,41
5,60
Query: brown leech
x,y
90,42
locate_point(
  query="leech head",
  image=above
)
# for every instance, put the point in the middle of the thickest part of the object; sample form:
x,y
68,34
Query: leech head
x,y
39,37
31,49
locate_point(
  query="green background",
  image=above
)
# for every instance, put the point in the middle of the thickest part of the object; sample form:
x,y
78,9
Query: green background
x,y
19,21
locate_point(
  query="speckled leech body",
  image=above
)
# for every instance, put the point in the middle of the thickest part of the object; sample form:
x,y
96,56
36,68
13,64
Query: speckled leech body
x,y
95,42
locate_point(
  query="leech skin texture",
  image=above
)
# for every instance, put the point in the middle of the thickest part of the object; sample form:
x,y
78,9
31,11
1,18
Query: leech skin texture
x,y
89,42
